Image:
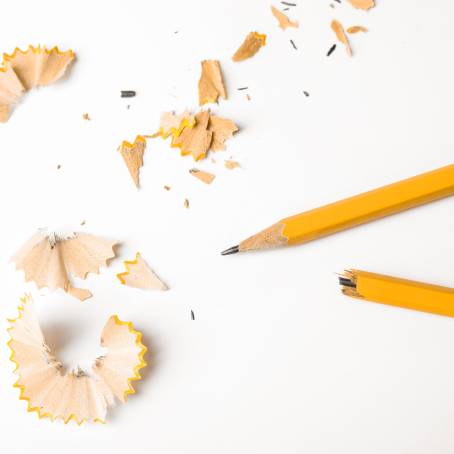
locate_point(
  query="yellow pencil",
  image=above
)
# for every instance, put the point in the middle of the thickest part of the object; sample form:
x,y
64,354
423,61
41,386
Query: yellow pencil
x,y
353,211
398,292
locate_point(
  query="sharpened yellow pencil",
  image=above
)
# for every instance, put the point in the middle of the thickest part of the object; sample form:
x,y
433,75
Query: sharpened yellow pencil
x,y
356,210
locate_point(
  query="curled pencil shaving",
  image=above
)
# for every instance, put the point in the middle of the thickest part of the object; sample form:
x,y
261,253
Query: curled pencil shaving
x,y
222,130
172,125
49,261
362,4
196,140
341,36
251,45
196,135
24,70
132,154
284,21
76,395
211,83
356,29
206,177
138,274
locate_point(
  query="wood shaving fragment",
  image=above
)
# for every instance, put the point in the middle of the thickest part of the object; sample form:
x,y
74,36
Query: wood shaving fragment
x,y
196,135
167,188
132,154
229,164
195,140
211,84
186,203
49,260
83,222
362,4
251,45
336,26
172,125
357,29
206,177
284,21
222,130
24,70
75,395
139,275
248,97
85,116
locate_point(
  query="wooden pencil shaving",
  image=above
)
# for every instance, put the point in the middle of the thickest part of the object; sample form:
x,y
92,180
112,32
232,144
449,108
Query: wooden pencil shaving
x,y
211,83
336,26
132,154
49,261
196,140
206,177
76,395
24,70
139,275
251,45
362,4
222,130
229,164
202,133
85,116
356,29
186,203
172,125
284,21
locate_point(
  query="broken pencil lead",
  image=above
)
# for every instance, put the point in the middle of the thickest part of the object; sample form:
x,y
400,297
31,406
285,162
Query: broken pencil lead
x,y
128,93
346,282
231,250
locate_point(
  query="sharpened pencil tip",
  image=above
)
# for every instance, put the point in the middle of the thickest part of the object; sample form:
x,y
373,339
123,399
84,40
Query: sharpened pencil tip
x,y
231,250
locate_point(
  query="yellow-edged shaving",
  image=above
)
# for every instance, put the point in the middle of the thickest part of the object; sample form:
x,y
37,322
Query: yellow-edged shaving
x,y
139,275
76,395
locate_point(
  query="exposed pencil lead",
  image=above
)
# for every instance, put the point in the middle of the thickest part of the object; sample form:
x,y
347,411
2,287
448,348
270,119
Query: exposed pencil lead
x,y
346,282
231,250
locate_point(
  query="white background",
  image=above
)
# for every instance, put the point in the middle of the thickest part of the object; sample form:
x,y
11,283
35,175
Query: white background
x,y
276,360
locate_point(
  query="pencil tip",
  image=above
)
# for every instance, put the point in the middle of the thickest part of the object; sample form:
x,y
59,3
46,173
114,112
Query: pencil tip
x,y
231,250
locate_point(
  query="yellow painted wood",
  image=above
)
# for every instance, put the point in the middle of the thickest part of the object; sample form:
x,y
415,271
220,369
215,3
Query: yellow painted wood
x,y
369,206
404,293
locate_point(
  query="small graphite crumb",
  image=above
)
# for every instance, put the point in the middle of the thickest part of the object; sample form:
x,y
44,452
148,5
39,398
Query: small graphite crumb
x,y
186,203
58,167
85,116
306,94
285,9
176,32
83,222
293,44
167,188
288,4
128,93
242,88
192,315
331,5
248,97
338,1
331,50
128,106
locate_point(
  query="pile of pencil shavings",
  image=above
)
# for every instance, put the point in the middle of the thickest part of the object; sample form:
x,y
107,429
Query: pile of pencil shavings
x,y
197,134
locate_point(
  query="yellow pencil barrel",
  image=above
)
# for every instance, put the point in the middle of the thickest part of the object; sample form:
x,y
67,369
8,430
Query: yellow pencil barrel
x,y
369,206
398,292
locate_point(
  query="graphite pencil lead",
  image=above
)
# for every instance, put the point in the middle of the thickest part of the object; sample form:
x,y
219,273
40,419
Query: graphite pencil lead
x,y
231,250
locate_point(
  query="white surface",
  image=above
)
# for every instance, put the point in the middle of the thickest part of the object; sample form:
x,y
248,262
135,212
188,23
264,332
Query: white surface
x,y
277,359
